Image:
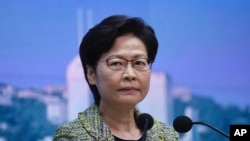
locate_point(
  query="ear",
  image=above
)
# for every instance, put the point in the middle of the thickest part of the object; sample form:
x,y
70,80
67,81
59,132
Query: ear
x,y
91,75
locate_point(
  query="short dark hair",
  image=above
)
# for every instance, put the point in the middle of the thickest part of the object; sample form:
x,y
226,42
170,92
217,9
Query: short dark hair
x,y
100,39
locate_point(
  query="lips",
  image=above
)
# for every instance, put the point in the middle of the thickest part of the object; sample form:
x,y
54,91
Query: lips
x,y
129,89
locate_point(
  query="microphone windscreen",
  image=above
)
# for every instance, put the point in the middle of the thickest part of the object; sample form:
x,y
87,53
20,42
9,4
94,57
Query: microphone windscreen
x,y
141,120
182,124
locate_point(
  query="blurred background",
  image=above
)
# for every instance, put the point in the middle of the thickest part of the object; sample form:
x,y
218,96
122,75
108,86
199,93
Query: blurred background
x,y
202,68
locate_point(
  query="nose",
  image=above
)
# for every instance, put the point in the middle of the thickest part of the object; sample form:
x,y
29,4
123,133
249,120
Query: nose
x,y
129,73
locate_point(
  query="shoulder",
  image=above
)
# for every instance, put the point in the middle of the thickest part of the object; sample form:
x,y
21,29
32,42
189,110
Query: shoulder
x,y
165,132
76,129
87,126
68,131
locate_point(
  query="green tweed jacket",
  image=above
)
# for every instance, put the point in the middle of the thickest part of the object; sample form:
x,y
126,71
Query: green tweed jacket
x,y
89,126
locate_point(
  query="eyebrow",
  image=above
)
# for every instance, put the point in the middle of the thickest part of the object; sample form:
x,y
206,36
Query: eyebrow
x,y
135,56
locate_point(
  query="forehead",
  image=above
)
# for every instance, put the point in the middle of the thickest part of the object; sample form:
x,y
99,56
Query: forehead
x,y
128,46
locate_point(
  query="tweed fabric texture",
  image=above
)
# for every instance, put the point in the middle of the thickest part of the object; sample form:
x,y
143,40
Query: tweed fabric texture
x,y
90,126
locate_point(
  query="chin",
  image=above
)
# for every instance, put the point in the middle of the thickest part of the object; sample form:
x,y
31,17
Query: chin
x,y
131,101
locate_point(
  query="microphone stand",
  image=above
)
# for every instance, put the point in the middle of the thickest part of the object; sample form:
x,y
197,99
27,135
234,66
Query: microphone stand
x,y
222,133
144,134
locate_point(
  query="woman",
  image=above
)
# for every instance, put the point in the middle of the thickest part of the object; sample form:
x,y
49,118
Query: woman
x,y
116,56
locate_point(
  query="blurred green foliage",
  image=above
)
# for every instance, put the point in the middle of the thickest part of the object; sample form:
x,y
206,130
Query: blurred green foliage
x,y
25,120
215,114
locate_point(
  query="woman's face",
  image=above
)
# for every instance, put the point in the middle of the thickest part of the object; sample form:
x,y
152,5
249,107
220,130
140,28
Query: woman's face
x,y
128,86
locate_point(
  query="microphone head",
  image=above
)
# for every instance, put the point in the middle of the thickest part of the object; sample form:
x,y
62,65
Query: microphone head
x,y
141,121
182,124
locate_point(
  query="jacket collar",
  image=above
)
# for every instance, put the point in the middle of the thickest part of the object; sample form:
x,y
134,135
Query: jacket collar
x,y
95,126
93,123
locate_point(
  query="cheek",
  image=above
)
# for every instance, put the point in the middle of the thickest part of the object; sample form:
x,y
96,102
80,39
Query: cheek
x,y
145,80
106,79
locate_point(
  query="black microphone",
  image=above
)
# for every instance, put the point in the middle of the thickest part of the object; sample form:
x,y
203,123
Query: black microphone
x,y
183,124
144,122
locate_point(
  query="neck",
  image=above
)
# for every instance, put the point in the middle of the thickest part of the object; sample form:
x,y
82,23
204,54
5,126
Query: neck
x,y
120,120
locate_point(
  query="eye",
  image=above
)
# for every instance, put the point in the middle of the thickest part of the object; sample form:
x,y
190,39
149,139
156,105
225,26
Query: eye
x,y
141,62
116,62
